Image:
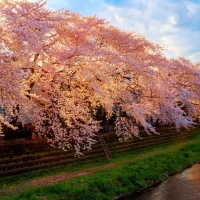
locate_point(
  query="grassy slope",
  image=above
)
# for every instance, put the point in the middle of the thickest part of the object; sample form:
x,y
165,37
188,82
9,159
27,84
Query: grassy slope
x,y
131,172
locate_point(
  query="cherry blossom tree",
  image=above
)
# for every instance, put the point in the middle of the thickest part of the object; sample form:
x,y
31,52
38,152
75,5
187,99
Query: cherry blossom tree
x,y
58,68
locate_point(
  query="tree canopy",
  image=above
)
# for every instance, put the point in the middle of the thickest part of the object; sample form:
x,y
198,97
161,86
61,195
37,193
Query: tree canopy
x,y
59,68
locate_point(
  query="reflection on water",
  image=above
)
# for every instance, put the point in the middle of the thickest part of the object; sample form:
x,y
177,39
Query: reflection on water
x,y
183,186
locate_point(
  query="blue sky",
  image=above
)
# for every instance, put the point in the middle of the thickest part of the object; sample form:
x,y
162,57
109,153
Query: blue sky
x,y
174,24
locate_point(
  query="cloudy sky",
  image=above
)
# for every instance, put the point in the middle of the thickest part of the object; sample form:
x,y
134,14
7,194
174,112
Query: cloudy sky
x,y
174,24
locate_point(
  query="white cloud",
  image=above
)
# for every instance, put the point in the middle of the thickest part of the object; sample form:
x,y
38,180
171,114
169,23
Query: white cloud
x,y
195,56
163,22
173,19
193,8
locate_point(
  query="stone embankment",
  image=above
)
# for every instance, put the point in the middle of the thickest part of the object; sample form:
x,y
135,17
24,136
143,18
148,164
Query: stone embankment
x,y
20,156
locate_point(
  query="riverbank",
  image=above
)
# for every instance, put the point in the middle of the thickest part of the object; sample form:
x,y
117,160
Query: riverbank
x,y
124,175
181,186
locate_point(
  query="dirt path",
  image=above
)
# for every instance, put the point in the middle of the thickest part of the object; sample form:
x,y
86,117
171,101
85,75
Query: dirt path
x,y
64,176
51,180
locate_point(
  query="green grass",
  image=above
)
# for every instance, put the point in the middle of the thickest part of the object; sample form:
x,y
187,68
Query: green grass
x,y
132,172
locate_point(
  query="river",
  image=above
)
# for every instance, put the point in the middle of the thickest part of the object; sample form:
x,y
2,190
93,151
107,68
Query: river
x,y
182,186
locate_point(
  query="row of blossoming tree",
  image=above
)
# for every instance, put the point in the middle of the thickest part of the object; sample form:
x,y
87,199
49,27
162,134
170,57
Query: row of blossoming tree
x,y
59,68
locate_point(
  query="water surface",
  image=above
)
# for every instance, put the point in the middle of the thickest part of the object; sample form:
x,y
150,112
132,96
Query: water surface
x,y
182,186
